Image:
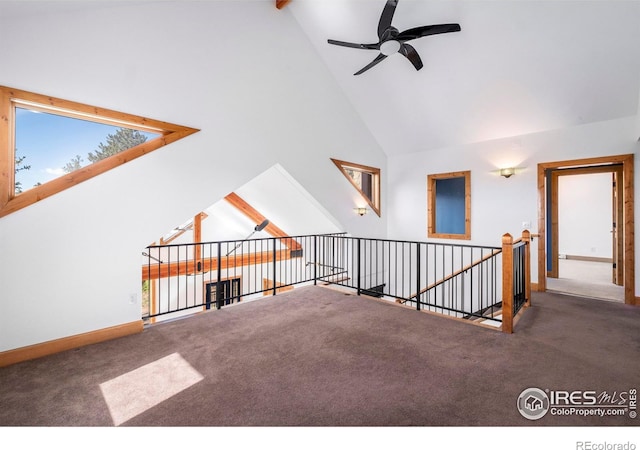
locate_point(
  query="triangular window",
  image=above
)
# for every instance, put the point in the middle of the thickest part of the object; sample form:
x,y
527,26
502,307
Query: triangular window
x,y
48,145
365,179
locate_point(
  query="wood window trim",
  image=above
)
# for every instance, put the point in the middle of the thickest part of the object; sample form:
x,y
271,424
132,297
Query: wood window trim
x,y
373,204
554,206
431,205
627,162
11,98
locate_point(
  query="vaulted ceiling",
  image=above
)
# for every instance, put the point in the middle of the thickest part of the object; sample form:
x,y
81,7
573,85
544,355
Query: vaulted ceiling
x,y
516,67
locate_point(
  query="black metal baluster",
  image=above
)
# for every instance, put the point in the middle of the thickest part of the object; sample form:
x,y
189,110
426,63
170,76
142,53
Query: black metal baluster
x,y
418,276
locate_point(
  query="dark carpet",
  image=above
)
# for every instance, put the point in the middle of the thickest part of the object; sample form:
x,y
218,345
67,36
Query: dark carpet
x,y
318,357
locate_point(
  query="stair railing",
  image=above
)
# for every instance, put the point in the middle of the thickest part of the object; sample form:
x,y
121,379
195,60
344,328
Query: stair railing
x,y
516,278
463,281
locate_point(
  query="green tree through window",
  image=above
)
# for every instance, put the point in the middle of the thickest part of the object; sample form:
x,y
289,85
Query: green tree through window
x,y
57,137
18,168
48,139
122,139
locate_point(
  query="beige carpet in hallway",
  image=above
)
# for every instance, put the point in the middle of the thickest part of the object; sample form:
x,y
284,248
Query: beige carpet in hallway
x,y
587,279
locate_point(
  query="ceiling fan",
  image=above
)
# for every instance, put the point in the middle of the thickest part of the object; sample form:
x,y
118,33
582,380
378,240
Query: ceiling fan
x,y
392,41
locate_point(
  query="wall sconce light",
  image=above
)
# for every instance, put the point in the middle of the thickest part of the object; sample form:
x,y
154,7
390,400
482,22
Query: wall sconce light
x,y
507,172
360,211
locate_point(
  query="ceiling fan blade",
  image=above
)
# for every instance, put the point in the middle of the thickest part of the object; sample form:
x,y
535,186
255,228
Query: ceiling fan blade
x,y
386,17
379,58
352,45
415,33
412,55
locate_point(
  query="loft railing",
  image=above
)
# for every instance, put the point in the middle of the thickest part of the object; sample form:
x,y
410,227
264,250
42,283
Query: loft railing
x,y
456,280
462,281
185,277
476,281
516,277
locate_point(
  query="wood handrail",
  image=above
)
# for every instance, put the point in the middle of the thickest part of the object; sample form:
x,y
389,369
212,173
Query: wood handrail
x,y
458,272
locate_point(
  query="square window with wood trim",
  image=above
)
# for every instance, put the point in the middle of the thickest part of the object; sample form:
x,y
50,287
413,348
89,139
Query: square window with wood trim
x,y
449,205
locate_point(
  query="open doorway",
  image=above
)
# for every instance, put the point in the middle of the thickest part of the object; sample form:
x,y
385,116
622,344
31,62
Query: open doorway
x,y
585,237
578,257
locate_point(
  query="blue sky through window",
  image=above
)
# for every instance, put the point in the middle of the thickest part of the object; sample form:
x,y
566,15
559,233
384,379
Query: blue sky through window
x,y
50,141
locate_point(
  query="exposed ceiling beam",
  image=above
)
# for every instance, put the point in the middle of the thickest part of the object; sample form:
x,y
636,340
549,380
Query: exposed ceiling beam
x,y
241,205
281,3
177,232
193,267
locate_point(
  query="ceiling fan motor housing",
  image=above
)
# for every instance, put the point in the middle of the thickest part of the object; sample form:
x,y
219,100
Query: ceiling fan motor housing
x,y
392,41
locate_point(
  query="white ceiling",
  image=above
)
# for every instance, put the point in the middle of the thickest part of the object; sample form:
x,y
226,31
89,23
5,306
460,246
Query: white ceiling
x,y
517,67
15,9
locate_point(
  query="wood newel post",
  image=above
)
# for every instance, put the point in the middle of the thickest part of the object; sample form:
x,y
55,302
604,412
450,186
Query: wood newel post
x,y
507,283
526,238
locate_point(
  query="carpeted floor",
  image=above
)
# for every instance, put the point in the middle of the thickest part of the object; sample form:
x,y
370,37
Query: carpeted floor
x,y
318,357
586,279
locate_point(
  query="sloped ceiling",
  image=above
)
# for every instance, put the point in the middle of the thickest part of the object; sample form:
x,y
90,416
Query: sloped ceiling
x,y
279,197
517,67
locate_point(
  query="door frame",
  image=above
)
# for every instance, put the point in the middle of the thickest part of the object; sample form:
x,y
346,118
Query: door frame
x,y
628,215
617,205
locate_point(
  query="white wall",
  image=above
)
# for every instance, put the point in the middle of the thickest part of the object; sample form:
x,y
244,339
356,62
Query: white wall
x,y
638,119
585,215
246,75
242,72
498,205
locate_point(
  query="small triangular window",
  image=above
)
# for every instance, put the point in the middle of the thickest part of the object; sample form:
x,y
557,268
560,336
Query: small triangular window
x,y
365,179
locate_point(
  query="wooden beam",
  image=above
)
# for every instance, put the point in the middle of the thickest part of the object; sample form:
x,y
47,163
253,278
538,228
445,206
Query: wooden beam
x,y
282,3
241,205
190,267
181,231
197,236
